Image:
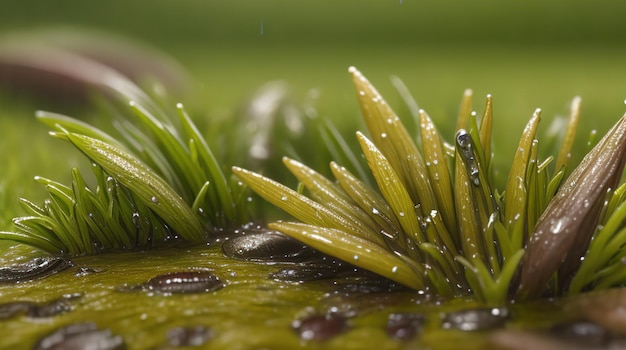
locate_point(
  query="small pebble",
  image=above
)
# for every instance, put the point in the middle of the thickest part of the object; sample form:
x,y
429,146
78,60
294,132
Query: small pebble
x,y
476,319
189,336
36,310
36,268
405,326
179,283
584,333
80,336
320,327
263,245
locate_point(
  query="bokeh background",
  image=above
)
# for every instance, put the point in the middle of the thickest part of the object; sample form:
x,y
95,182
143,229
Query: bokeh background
x,y
527,54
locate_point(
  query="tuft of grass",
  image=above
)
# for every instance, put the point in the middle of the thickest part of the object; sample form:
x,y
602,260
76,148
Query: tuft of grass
x,y
418,210
160,182
435,222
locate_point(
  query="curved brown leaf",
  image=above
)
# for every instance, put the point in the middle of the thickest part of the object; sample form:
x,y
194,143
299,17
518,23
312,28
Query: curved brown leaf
x,y
564,230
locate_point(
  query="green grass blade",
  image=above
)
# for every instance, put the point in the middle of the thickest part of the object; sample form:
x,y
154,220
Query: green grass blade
x,y
151,189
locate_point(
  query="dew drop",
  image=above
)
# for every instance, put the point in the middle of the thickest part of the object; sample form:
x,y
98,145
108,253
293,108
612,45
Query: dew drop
x,y
476,319
556,227
154,200
465,148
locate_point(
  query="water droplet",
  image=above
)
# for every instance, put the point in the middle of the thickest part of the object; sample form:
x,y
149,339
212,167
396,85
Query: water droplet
x,y
383,135
283,198
465,148
556,227
476,319
401,214
424,226
154,200
375,211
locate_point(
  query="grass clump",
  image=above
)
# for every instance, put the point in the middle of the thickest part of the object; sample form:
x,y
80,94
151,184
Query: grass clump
x,y
435,221
161,183
428,214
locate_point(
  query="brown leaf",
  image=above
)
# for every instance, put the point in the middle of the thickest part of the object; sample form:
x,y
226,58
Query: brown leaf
x,y
564,230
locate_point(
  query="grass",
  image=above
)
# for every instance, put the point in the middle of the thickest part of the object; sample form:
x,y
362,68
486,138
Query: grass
x,y
436,222
491,277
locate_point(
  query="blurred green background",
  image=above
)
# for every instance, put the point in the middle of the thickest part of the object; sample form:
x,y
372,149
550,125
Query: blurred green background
x,y
527,54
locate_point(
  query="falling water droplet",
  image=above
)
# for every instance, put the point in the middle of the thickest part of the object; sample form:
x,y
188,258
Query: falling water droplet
x,y
464,144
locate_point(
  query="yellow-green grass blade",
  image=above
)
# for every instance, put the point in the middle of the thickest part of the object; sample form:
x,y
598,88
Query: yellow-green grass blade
x,y
392,189
486,128
565,155
465,110
303,208
357,251
516,192
371,202
395,143
325,191
439,174
469,225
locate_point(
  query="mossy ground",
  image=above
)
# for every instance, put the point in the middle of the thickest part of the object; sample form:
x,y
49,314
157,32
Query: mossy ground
x,y
251,312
